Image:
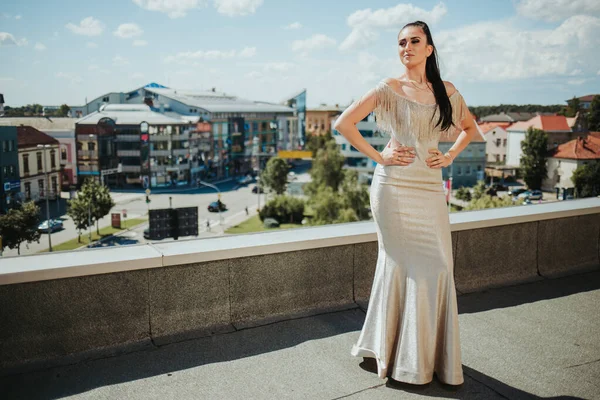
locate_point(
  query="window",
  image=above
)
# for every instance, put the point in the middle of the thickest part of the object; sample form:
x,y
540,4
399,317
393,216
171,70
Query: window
x,y
498,141
504,157
26,163
479,168
467,170
91,146
39,162
555,144
504,143
557,178
63,154
12,170
52,159
458,170
4,171
5,146
54,184
105,99
27,190
41,186
497,157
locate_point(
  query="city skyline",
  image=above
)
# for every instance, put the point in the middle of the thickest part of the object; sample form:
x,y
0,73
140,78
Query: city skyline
x,y
518,52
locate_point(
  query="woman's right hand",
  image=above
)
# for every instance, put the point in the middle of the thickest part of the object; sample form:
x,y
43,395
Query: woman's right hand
x,y
401,155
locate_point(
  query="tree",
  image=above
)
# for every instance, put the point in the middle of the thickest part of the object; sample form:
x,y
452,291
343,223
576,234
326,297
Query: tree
x,y
326,169
586,179
594,115
64,111
355,197
487,201
316,142
275,175
463,194
20,225
326,206
573,107
533,160
479,190
78,211
284,209
98,198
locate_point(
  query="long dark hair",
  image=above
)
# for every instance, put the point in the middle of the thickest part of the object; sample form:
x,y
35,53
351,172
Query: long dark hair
x,y
432,71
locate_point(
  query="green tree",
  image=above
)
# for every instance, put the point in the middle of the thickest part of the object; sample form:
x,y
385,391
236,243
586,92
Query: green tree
x,y
355,197
487,201
64,110
316,142
326,169
98,196
479,190
463,194
586,179
573,106
326,206
275,175
533,160
78,211
594,115
284,209
20,225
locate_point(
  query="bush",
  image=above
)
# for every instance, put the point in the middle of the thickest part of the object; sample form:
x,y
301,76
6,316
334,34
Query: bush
x,y
284,209
463,194
271,223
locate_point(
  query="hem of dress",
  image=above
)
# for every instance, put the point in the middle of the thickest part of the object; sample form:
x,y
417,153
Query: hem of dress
x,y
401,376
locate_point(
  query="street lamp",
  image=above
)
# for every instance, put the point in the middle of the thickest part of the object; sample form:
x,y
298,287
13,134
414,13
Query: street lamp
x,y
255,151
43,147
218,203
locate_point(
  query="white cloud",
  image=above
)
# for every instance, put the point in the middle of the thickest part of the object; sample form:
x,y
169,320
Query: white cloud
x,y
253,75
40,46
6,39
293,25
18,17
557,10
315,42
140,43
137,75
7,79
366,23
487,50
127,31
73,79
248,52
173,8
94,67
88,26
233,8
91,45
194,57
576,81
278,66
120,61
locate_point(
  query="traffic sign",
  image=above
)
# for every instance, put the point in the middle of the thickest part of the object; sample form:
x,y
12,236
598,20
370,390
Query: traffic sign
x,y
148,192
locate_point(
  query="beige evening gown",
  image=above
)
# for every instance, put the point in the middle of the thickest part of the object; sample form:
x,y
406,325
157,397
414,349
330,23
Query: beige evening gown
x,y
411,323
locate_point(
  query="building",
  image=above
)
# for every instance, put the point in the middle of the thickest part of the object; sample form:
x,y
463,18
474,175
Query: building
x,y
585,102
34,163
61,129
469,165
1,104
123,145
319,120
510,117
10,183
556,126
235,122
566,158
354,159
496,139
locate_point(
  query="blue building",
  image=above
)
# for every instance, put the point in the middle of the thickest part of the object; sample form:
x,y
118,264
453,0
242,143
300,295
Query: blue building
x,y
10,182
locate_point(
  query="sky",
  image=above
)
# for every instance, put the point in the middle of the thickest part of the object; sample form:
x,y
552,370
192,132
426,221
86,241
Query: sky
x,y
493,51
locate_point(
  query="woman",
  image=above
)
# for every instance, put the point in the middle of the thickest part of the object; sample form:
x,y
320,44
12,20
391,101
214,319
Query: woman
x,y
411,324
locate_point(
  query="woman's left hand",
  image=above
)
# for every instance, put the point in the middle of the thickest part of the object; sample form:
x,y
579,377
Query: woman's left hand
x,y
438,160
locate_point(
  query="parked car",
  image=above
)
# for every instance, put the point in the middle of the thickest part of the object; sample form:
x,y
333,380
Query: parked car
x,y
147,233
215,206
255,189
54,225
531,195
516,191
245,180
499,187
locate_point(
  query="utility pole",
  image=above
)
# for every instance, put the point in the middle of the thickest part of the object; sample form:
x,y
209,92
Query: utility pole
x,y
43,147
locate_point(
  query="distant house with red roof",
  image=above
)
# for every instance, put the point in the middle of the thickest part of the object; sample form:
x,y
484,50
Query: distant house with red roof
x,y
585,101
35,162
495,136
558,128
566,157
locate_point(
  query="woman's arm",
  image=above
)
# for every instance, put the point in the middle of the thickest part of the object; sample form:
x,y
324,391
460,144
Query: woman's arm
x,y
346,125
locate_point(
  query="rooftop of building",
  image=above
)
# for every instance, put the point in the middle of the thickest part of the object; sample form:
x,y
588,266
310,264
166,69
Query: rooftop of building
x,y
508,117
489,126
130,114
588,97
587,148
41,123
548,123
28,136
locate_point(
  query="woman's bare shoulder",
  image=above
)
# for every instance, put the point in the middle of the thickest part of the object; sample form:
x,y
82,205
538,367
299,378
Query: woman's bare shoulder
x,y
450,88
396,84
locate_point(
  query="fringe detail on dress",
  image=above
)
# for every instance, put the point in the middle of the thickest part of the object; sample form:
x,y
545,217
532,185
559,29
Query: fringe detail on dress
x,y
405,117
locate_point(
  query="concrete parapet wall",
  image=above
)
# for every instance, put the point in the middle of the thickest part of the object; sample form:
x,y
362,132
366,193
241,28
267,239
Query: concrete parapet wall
x,y
66,315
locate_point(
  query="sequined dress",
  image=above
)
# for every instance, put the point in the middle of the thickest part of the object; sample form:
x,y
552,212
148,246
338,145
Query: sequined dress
x,y
411,324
